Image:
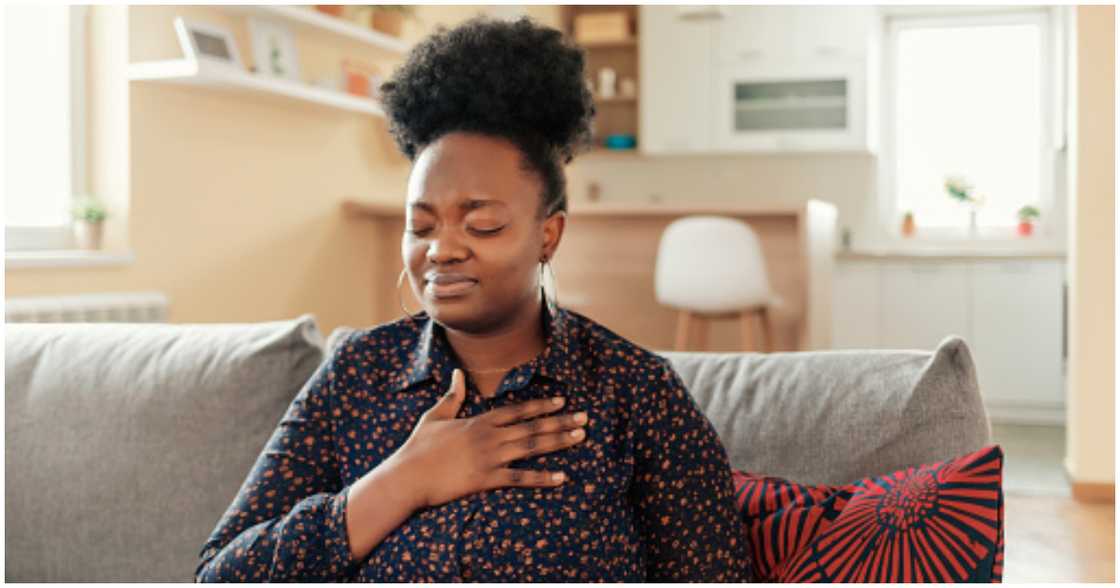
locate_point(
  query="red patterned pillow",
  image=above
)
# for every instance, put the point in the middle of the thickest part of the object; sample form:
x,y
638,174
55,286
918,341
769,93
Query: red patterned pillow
x,y
940,522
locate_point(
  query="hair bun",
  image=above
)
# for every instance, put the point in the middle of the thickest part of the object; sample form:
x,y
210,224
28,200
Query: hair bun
x,y
507,78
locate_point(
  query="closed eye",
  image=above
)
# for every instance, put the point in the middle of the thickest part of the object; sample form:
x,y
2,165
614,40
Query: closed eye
x,y
487,232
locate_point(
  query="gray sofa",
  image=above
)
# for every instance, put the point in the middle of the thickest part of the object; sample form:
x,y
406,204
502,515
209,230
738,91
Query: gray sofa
x,y
126,442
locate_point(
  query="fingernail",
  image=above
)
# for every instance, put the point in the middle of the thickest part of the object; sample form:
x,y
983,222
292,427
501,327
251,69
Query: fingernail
x,y
577,432
581,417
557,477
558,401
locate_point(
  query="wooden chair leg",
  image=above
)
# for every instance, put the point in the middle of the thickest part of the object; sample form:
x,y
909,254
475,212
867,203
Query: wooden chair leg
x,y
702,323
767,331
746,327
684,324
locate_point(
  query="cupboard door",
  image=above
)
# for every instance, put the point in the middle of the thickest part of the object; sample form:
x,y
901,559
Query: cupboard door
x,y
924,302
856,305
1017,331
676,81
825,32
751,33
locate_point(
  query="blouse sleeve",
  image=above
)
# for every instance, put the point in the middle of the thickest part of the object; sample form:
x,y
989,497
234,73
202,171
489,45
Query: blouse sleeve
x,y
683,489
288,520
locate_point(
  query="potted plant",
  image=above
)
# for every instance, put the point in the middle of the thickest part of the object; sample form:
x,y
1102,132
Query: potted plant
x,y
1027,215
961,191
388,18
89,215
908,225
330,9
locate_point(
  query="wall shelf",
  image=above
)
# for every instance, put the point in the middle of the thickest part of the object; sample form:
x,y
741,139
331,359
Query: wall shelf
x,y
308,18
203,74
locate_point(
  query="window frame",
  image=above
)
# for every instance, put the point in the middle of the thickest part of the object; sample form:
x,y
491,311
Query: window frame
x,y
61,236
1052,95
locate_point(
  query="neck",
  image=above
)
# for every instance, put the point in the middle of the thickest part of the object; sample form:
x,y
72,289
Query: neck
x,y
515,342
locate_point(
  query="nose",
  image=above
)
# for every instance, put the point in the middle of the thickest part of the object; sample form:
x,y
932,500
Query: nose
x,y
446,247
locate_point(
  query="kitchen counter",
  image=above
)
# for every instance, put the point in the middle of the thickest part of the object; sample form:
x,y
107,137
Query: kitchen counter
x,y
605,267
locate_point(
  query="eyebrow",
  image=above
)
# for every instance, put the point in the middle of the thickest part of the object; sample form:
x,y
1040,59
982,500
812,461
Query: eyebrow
x,y
470,204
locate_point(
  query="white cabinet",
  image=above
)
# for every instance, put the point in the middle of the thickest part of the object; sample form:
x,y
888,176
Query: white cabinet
x,y
768,79
796,79
923,303
1008,312
819,105
824,32
785,33
676,81
754,33
856,306
1017,331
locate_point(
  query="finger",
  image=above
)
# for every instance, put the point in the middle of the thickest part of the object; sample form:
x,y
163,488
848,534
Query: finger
x,y
552,424
448,406
539,444
523,410
527,478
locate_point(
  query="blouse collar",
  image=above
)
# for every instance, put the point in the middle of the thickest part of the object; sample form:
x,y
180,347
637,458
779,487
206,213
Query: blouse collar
x,y
432,356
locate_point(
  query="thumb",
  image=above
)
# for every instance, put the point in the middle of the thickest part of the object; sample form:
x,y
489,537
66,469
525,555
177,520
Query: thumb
x,y
448,406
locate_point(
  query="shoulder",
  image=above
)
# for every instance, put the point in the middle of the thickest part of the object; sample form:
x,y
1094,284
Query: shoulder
x,y
381,346
613,352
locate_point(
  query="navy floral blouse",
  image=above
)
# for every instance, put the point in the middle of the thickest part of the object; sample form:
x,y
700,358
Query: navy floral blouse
x,y
648,494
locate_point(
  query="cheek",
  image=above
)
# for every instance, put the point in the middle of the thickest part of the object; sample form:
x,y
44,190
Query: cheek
x,y
412,254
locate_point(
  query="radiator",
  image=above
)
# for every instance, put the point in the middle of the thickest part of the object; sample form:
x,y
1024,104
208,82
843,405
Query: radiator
x,y
122,307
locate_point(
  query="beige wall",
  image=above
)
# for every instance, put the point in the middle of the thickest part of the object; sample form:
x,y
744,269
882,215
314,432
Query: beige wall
x,y
1091,389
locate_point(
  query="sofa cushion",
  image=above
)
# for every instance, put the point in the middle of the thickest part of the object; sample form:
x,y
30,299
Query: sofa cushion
x,y
940,522
125,443
781,517
829,417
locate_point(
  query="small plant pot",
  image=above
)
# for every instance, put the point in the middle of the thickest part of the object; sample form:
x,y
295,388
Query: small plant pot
x,y
1026,228
387,21
88,235
908,226
331,9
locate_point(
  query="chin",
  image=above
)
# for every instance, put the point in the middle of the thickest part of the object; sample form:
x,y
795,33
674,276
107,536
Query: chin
x,y
459,314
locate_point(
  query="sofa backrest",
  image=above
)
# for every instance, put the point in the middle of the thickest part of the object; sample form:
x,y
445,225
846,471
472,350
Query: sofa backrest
x,y
833,417
125,443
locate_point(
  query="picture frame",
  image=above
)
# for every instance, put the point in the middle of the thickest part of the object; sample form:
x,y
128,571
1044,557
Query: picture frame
x,y
274,49
206,42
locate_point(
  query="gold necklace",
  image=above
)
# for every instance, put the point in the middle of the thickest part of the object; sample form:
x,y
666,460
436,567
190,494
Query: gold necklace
x,y
473,371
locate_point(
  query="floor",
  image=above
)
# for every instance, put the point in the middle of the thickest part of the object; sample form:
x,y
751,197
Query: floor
x,y
1049,536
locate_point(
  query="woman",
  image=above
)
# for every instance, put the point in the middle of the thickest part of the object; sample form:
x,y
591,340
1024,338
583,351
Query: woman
x,y
431,448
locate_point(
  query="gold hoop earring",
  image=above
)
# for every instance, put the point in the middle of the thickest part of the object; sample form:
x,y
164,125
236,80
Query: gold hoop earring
x,y
401,300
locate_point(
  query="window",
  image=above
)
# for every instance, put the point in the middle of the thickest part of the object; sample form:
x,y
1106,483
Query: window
x,y
44,114
969,96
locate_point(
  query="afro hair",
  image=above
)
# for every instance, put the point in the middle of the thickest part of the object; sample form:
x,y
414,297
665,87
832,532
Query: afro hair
x,y
516,80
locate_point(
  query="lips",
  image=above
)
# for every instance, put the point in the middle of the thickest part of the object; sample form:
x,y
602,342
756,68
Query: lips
x,y
448,285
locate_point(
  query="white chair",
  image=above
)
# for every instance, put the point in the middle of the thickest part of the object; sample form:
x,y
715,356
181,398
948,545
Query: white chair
x,y
712,267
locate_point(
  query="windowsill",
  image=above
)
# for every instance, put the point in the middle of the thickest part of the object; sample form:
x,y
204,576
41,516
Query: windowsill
x,y
946,253
943,245
66,258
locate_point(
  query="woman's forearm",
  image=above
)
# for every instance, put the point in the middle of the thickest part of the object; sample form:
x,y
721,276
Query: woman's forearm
x,y
377,504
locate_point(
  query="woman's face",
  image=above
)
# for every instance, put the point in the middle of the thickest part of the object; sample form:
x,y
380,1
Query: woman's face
x,y
473,236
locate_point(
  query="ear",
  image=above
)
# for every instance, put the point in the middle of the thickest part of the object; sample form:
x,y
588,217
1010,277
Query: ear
x,y
553,230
